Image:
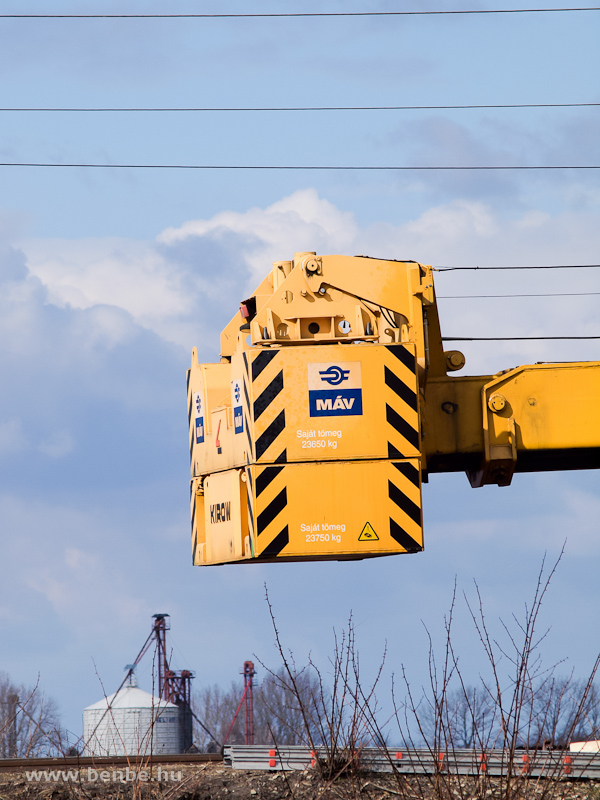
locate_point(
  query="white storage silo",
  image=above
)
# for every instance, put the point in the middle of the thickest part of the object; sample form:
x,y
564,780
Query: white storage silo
x,y
131,722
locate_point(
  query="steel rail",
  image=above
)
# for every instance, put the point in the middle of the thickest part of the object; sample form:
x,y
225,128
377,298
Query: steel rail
x,y
143,761
493,763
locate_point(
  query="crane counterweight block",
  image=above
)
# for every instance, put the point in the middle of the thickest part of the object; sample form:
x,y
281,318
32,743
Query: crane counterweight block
x,y
310,447
333,400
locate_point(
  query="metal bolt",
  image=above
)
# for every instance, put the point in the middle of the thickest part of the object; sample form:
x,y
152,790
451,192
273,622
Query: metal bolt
x,y
497,402
454,359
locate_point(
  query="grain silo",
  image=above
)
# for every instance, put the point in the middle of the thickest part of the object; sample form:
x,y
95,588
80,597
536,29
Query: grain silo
x,y
131,722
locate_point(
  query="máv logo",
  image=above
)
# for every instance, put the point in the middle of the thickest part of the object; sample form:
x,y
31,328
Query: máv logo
x,y
334,375
335,390
236,402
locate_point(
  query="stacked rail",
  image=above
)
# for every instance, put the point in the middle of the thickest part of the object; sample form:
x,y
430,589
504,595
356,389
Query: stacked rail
x,y
478,763
495,763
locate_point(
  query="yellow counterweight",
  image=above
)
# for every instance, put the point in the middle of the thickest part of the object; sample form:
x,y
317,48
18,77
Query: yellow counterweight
x,y
334,399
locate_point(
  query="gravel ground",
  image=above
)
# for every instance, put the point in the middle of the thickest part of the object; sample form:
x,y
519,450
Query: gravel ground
x,y
214,782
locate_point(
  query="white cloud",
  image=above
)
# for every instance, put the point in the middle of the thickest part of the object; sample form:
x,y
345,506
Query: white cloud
x,y
303,221
124,273
186,285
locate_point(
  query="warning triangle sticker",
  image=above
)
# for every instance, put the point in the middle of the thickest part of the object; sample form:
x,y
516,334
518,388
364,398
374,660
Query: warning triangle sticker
x,y
368,534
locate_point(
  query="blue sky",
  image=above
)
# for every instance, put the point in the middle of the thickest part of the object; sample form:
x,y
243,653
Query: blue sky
x,y
110,277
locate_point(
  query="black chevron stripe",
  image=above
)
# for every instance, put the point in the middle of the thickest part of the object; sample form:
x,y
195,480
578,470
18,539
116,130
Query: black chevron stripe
x,y
267,437
403,391
271,511
264,479
245,357
403,502
279,542
281,458
403,355
261,361
402,537
251,515
402,426
410,472
249,501
194,532
246,395
393,452
266,397
248,436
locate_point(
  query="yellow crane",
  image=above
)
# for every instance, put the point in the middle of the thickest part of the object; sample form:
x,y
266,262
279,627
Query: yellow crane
x,y
333,401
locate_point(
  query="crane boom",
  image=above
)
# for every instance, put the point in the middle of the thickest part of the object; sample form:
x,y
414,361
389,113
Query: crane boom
x,y
527,419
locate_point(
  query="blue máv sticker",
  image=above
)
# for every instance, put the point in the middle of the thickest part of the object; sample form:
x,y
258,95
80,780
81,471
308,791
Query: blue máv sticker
x,y
199,418
236,402
334,390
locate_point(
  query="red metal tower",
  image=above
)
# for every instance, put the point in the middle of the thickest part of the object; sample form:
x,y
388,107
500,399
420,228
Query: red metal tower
x,y
248,702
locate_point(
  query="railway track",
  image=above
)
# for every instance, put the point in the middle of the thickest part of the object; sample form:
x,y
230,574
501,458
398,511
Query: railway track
x,y
106,762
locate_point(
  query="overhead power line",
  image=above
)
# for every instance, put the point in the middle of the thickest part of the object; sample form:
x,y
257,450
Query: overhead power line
x,y
302,14
304,108
510,338
491,296
310,167
537,266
